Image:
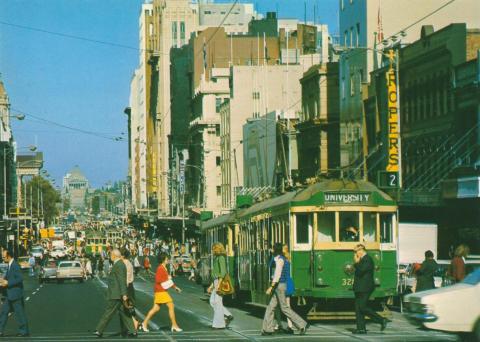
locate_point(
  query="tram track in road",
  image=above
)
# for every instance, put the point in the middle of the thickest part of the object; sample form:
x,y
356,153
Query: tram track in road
x,y
204,319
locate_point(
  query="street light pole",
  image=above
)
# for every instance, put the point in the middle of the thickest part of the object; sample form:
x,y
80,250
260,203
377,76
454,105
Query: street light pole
x,y
4,183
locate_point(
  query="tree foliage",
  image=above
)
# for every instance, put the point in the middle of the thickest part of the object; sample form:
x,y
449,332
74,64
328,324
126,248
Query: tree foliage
x,y
39,191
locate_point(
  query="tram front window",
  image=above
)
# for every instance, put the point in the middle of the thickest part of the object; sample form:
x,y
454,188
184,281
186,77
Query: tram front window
x,y
349,231
386,228
326,227
369,227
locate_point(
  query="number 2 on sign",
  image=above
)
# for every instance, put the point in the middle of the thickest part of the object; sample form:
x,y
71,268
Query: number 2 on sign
x,y
393,180
347,282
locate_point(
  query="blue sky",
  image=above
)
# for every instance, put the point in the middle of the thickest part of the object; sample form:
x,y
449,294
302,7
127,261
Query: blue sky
x,y
83,84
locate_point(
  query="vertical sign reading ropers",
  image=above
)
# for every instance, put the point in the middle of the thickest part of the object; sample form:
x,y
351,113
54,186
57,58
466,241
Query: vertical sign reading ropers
x,y
393,124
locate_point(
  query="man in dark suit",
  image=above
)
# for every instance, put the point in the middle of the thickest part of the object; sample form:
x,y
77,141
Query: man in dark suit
x,y
363,287
116,295
13,284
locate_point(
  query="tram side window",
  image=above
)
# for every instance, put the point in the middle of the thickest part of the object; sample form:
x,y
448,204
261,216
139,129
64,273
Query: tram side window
x,y
349,226
326,227
304,222
386,228
369,227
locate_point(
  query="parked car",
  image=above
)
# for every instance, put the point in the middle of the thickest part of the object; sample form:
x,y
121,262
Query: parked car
x,y
69,270
58,252
37,252
23,262
48,271
454,308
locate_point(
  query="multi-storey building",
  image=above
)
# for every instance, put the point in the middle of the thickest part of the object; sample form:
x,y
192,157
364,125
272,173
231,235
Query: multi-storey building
x,y
7,158
439,124
210,87
254,91
269,152
138,142
318,128
363,27
75,188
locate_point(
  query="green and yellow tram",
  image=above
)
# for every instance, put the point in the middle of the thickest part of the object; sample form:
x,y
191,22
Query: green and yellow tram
x,y
321,225
95,242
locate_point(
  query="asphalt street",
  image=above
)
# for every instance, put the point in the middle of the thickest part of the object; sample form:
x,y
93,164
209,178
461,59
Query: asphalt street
x,y
70,312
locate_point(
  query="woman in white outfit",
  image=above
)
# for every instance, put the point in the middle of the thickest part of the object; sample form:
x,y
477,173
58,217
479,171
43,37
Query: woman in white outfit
x,y
221,316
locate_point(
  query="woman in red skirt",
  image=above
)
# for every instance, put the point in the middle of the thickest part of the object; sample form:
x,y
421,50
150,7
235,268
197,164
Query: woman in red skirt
x,y
162,283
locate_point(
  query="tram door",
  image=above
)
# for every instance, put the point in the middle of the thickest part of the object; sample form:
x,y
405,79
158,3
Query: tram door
x,y
259,262
302,250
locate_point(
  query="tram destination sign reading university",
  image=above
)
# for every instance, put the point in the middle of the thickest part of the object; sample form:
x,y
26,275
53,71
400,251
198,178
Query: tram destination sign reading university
x,y
347,198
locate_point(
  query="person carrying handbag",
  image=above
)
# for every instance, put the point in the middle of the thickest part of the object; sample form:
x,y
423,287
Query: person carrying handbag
x,y
162,283
221,315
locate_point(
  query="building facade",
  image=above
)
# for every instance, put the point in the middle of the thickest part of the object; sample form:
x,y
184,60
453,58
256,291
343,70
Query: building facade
x,y
364,25
318,126
75,188
438,128
8,180
254,91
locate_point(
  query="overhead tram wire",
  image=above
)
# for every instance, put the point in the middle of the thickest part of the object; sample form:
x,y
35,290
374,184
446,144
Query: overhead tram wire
x,y
76,129
71,36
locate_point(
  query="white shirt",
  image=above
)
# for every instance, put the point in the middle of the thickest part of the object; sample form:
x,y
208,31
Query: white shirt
x,y
278,269
129,267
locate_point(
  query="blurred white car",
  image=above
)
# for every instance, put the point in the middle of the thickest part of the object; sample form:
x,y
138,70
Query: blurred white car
x,y
454,308
37,251
58,252
70,270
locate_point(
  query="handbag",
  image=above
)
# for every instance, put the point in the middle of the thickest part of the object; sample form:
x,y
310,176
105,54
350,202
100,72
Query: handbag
x,y
225,286
290,287
129,307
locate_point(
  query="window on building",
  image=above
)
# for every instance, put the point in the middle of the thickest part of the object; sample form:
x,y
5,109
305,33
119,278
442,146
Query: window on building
x,y
352,84
219,191
217,130
174,33
343,88
351,36
358,34
182,33
217,160
150,29
360,79
218,103
207,12
345,38
256,95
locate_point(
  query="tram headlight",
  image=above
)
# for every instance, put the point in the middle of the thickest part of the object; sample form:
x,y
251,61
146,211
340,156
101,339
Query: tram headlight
x,y
349,269
377,281
320,282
